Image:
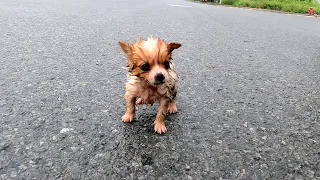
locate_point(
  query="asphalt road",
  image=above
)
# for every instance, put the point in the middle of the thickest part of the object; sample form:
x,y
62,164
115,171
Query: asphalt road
x,y
249,100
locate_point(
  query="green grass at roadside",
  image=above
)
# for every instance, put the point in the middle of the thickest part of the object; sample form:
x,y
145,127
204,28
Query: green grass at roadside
x,y
295,6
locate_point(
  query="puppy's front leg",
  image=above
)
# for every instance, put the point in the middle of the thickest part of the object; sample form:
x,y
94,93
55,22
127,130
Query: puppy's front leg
x,y
159,123
130,108
172,108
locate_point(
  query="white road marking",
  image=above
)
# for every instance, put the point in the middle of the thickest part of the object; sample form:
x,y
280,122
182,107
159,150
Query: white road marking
x,y
178,5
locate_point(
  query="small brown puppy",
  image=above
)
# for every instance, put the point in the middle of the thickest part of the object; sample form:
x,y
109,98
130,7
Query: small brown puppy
x,y
151,78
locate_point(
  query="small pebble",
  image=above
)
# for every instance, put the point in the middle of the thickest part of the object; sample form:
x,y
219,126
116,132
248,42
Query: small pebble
x,y
67,109
245,124
230,111
64,130
22,167
32,162
73,148
188,167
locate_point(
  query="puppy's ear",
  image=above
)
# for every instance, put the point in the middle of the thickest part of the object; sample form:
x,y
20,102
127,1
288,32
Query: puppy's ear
x,y
173,45
125,47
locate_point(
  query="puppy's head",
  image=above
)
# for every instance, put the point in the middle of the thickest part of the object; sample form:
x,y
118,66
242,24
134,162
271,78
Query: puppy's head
x,y
150,60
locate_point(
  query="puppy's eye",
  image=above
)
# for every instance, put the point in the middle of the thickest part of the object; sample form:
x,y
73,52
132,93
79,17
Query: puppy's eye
x,y
166,64
145,67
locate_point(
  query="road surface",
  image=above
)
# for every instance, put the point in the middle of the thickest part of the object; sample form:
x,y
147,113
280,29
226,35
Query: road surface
x,y
249,100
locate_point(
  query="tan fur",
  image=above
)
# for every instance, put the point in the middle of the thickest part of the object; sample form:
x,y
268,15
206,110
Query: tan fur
x,y
144,84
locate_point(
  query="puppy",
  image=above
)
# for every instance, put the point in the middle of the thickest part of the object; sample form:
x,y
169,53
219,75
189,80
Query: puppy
x,y
151,78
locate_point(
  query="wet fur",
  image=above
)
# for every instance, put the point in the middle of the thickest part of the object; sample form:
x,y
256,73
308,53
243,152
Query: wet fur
x,y
141,87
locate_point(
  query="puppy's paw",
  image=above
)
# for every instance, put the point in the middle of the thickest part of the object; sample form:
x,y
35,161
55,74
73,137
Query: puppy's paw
x,y
160,127
172,108
128,117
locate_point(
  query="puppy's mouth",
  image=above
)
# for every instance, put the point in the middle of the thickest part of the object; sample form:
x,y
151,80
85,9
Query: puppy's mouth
x,y
158,83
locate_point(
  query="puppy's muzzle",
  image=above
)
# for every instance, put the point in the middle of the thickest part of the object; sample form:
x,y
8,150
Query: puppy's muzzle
x,y
159,79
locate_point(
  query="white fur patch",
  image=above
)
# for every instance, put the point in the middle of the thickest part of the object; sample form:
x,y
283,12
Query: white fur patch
x,y
150,44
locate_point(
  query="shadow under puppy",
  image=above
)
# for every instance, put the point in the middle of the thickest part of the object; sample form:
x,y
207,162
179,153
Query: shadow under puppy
x,y
151,78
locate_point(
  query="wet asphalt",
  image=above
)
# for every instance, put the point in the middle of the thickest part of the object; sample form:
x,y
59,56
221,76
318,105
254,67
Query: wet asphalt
x,y
248,100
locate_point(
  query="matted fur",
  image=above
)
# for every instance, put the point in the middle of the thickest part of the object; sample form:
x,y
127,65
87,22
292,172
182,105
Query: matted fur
x,y
144,84
148,93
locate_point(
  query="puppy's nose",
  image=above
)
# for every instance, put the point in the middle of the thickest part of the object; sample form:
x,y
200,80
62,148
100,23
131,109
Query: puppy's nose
x,y
159,77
